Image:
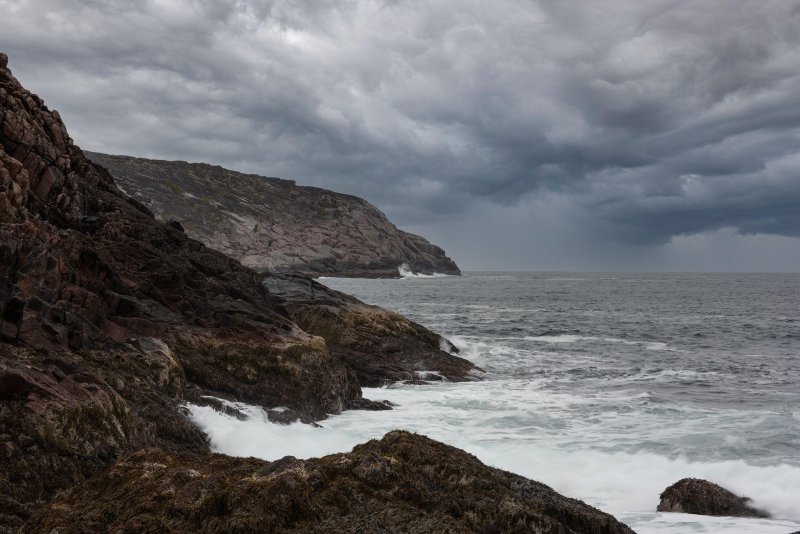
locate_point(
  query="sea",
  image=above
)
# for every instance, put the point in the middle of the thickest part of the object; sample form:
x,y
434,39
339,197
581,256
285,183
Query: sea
x,y
606,387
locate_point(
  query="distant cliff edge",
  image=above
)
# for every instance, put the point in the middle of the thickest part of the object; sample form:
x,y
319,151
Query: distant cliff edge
x,y
274,224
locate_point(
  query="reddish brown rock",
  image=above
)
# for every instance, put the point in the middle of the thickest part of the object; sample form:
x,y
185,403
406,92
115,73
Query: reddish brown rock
x,y
401,483
110,320
85,274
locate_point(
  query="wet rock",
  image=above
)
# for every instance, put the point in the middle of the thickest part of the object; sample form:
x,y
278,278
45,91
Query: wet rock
x,y
365,404
379,345
697,496
63,424
401,483
284,417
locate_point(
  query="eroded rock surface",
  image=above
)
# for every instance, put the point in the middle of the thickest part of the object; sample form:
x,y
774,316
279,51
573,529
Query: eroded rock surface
x,y
274,224
379,345
401,483
697,496
110,320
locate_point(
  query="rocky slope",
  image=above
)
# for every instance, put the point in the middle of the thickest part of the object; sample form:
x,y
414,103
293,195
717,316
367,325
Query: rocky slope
x,y
273,224
111,320
401,483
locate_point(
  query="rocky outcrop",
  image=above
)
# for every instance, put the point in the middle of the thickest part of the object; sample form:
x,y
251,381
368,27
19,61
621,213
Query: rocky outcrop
x,y
401,483
274,224
697,496
379,345
110,319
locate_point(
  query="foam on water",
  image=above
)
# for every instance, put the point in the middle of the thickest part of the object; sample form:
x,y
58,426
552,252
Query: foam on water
x,y
608,391
623,483
406,272
568,338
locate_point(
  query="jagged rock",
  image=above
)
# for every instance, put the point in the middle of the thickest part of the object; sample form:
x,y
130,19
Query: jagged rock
x,y
697,496
379,345
86,276
401,483
274,224
111,320
59,423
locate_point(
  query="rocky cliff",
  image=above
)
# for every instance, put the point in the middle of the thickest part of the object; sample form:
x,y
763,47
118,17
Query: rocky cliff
x,y
112,320
274,224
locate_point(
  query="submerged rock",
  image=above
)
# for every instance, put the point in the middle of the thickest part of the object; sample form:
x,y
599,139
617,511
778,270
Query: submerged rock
x,y
697,496
401,483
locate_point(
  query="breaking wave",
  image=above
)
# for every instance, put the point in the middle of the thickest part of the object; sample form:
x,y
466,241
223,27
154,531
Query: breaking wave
x,y
406,272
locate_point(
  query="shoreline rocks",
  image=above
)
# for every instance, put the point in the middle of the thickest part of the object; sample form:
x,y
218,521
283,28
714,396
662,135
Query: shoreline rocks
x,y
110,321
401,483
698,496
380,346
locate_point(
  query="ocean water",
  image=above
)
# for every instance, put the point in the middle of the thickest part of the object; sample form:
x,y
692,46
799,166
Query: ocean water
x,y
607,387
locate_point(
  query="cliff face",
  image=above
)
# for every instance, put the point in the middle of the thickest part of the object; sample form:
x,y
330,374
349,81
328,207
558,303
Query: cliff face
x,y
110,320
273,224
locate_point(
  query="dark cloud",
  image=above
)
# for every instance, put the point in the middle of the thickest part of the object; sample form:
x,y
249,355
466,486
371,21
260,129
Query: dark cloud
x,y
632,123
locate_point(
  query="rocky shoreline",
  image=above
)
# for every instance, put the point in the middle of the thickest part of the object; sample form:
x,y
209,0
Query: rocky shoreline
x,y
111,320
272,224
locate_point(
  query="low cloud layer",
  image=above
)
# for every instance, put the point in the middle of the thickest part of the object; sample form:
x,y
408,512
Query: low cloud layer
x,y
615,127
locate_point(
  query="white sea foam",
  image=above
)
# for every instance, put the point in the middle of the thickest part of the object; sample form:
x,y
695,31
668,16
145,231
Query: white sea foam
x,y
406,272
611,417
624,484
570,338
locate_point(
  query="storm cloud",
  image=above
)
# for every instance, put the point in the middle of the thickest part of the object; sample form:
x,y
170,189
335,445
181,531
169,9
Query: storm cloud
x,y
514,130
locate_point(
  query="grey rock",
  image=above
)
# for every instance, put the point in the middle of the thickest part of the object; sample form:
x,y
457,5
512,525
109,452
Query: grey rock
x,y
274,224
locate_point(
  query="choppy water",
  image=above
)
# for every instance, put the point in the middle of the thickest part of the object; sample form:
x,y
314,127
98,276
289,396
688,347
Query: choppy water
x,y
607,387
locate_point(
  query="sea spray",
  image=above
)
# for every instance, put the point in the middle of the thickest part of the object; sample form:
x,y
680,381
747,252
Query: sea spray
x,y
624,484
405,272
608,388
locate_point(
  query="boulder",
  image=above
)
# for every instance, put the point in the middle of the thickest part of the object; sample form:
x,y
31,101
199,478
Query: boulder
x,y
697,496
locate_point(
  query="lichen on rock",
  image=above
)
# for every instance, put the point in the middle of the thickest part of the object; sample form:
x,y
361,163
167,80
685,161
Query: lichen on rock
x,y
401,483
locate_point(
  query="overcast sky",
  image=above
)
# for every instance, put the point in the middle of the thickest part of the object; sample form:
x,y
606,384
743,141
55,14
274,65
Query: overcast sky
x,y
516,134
